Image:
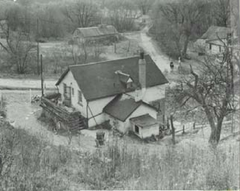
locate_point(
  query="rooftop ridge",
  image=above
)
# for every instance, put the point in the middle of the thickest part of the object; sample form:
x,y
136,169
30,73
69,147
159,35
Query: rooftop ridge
x,y
106,61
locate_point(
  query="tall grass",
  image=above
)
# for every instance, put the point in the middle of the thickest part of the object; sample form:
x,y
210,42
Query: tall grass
x,y
124,167
118,165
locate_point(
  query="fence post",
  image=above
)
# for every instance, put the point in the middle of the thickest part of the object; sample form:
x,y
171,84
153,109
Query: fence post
x,y
173,129
30,95
183,129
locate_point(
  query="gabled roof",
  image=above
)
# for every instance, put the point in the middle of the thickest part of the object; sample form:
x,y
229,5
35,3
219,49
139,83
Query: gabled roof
x,y
122,106
99,80
144,120
214,32
102,30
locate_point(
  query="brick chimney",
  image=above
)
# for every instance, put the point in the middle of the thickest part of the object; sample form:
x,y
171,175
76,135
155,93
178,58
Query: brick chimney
x,y
140,92
142,71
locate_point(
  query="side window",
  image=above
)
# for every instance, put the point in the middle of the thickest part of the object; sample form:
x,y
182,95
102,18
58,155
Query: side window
x,y
72,91
136,129
64,88
80,97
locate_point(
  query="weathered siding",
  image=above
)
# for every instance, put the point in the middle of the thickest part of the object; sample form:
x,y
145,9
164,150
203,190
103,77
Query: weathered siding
x,y
141,110
95,108
119,125
70,81
126,126
146,131
149,131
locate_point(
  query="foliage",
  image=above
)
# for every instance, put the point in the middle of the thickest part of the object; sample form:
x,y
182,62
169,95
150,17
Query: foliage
x,y
122,15
176,23
19,47
211,88
82,13
180,21
28,162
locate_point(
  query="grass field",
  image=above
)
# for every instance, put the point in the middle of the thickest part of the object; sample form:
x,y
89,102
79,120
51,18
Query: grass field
x,y
119,165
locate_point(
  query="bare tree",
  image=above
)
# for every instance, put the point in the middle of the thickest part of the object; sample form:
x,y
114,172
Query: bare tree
x,y
211,88
222,11
144,5
82,13
123,15
19,47
182,18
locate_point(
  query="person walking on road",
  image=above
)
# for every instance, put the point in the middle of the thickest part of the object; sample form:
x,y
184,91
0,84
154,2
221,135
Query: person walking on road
x,y
171,66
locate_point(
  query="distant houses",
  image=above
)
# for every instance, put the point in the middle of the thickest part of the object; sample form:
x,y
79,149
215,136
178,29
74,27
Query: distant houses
x,y
101,34
212,41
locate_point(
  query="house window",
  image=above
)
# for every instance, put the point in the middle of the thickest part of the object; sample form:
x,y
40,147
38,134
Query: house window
x,y
64,88
210,46
66,91
136,129
80,97
72,91
129,85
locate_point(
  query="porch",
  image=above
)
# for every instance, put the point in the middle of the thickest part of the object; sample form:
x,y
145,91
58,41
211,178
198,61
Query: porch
x,y
64,118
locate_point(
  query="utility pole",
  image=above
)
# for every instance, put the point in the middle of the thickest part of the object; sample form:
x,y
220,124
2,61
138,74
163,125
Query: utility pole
x,y
38,48
42,77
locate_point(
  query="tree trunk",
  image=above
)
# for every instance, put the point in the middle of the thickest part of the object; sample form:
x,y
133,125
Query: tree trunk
x,y
184,52
215,129
173,129
216,133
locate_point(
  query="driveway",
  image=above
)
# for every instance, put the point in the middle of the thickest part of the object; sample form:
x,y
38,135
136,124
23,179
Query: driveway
x,y
25,84
22,114
150,47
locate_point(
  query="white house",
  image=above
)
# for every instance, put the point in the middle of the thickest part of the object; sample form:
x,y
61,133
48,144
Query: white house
x,y
118,91
212,40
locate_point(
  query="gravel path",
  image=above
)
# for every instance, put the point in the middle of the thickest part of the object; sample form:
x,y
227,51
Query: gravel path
x,y
150,47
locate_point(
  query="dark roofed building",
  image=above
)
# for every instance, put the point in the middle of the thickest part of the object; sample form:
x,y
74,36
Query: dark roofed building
x,y
99,80
115,90
102,32
212,41
121,107
215,32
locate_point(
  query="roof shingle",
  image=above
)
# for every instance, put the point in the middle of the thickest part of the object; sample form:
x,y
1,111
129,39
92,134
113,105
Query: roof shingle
x,y
99,80
102,30
144,120
121,107
214,32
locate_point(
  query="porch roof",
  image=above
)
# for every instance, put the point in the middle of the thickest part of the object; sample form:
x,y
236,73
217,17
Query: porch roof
x,y
144,120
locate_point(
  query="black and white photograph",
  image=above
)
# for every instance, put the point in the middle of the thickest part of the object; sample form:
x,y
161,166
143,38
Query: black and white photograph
x,y
119,95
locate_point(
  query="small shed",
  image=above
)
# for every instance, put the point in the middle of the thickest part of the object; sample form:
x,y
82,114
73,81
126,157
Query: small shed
x,y
123,108
209,42
145,126
93,34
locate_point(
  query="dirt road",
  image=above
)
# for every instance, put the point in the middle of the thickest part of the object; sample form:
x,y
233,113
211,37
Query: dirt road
x,y
150,47
24,84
